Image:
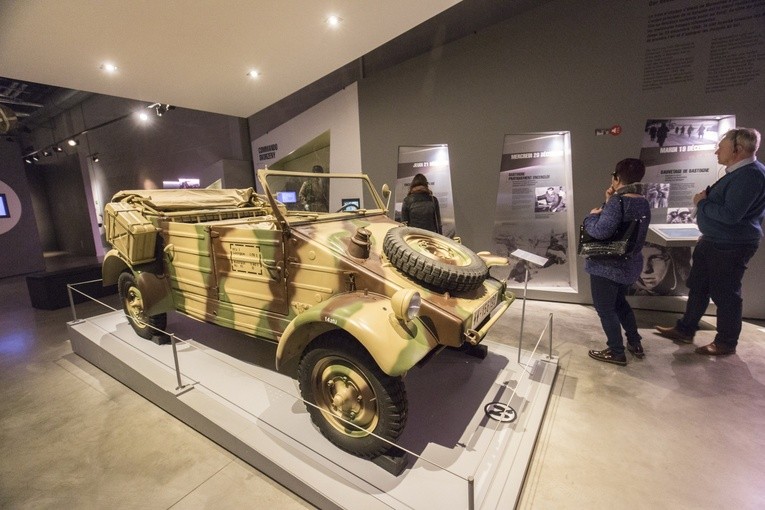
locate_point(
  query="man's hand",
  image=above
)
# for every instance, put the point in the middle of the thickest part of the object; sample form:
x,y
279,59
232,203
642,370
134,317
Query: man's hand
x,y
698,197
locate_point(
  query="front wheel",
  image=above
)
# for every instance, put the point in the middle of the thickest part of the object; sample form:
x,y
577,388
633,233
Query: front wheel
x,y
132,304
349,398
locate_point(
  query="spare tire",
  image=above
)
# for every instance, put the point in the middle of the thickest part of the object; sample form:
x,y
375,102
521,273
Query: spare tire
x,y
434,260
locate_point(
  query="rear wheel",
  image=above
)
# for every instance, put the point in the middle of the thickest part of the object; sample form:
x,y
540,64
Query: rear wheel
x,y
132,304
352,398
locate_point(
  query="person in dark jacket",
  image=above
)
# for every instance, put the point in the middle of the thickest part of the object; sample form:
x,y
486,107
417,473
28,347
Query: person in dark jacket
x,y
729,215
420,208
610,278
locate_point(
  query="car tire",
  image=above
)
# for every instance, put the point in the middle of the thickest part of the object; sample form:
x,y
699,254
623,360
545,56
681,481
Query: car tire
x,y
132,304
339,380
434,260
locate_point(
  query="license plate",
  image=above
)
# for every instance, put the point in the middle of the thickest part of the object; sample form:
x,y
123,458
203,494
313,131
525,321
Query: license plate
x,y
485,309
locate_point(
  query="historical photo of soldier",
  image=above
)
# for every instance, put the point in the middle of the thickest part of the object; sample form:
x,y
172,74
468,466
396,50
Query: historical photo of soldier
x,y
680,215
657,194
550,199
665,271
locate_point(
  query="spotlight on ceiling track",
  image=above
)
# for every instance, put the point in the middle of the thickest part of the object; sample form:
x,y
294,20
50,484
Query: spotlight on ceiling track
x,y
28,161
95,157
58,148
160,109
109,68
72,142
35,158
47,153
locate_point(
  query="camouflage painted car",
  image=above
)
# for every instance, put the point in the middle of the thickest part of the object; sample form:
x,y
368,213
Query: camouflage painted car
x,y
353,298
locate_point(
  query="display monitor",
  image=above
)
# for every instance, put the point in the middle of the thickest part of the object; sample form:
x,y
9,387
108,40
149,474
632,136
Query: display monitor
x,y
286,197
4,211
350,204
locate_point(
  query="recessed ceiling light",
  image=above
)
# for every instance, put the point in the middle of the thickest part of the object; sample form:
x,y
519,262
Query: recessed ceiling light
x,y
253,73
334,21
109,68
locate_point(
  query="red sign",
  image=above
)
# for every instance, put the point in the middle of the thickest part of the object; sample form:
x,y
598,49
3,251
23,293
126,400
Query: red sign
x,y
615,130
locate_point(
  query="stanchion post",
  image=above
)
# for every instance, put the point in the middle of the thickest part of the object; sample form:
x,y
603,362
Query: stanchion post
x,y
175,359
71,302
523,310
471,492
551,334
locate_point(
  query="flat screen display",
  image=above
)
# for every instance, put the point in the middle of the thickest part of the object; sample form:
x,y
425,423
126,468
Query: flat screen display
x,y
4,212
351,204
286,197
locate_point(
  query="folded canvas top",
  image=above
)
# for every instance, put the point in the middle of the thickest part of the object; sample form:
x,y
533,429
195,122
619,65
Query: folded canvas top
x,y
189,199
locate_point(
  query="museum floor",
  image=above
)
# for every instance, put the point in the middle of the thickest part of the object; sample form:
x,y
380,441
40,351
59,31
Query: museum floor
x,y
674,430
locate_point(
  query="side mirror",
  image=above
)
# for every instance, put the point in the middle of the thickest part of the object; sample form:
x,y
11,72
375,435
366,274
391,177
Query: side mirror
x,y
386,195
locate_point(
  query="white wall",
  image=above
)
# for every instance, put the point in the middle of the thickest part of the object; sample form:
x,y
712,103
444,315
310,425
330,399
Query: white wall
x,y
338,114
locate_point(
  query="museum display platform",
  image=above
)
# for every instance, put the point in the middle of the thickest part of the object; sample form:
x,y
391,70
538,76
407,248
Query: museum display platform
x,y
472,425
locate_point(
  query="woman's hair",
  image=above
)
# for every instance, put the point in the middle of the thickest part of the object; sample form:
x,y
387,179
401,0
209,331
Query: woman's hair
x,y
419,180
629,170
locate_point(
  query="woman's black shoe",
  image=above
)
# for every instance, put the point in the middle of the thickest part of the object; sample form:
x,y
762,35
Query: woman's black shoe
x,y
636,350
608,356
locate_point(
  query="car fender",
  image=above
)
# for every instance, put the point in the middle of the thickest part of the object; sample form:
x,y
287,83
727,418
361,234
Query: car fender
x,y
395,345
155,289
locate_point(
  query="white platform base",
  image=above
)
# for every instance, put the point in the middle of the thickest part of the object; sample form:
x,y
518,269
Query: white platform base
x,y
231,394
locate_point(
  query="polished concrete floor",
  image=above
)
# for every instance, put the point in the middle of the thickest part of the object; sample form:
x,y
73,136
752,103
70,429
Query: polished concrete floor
x,y
674,430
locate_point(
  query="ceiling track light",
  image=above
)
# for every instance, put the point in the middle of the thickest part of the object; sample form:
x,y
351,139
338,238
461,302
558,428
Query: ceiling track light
x,y
72,142
160,109
95,157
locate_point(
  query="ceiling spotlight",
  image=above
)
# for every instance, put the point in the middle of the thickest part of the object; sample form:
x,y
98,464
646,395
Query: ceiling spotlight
x,y
253,74
47,153
334,21
143,116
72,142
28,161
109,68
58,148
95,157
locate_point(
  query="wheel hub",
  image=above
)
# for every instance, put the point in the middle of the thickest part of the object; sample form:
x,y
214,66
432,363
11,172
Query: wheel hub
x,y
346,396
436,250
134,306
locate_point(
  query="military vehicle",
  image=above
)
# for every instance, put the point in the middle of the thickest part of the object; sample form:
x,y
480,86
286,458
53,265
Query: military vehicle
x,y
351,297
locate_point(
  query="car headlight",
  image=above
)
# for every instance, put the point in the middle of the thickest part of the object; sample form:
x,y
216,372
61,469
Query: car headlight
x,y
406,304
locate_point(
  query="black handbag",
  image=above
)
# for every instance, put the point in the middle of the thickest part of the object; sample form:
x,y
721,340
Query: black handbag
x,y
617,246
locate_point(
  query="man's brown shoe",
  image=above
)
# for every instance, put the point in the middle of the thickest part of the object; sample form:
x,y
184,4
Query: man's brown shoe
x,y
673,333
715,350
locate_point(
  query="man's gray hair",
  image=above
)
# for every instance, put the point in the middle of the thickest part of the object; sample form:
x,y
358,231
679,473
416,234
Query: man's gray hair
x,y
746,138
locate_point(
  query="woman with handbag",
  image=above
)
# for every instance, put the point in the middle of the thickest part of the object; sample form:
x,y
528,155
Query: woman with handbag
x,y
610,276
420,208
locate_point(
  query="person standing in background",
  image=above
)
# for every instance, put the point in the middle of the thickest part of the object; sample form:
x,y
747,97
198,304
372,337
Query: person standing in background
x,y
420,208
611,277
729,215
